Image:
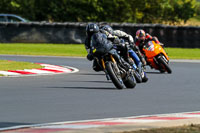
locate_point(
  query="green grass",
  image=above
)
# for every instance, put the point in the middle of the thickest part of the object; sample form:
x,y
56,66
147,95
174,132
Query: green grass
x,y
78,50
183,53
15,65
43,49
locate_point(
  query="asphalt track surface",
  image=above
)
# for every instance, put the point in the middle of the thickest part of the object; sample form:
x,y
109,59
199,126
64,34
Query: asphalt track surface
x,y
88,95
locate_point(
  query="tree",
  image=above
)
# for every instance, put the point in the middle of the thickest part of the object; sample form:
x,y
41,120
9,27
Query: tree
x,y
135,11
185,9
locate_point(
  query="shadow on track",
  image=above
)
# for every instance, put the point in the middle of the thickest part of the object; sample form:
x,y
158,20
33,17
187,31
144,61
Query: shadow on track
x,y
91,74
95,88
154,73
91,81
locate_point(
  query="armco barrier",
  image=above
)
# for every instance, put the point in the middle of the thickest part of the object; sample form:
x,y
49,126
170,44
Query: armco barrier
x,y
36,32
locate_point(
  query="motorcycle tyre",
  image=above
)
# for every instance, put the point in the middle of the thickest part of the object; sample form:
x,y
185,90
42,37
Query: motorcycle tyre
x,y
138,77
129,82
145,78
166,66
113,77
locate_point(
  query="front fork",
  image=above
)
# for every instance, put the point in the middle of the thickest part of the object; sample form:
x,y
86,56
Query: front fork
x,y
104,69
163,57
104,66
103,62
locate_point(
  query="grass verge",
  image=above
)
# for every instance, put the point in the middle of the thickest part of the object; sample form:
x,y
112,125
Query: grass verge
x,y
15,65
43,49
183,53
78,50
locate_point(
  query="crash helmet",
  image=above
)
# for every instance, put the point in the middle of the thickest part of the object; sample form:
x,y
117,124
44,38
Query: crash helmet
x,y
140,34
108,29
91,29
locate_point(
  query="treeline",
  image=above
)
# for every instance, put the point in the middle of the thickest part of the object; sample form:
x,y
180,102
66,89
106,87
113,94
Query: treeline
x,y
134,11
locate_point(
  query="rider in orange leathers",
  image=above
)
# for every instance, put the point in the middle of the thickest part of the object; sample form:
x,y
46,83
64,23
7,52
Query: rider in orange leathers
x,y
142,38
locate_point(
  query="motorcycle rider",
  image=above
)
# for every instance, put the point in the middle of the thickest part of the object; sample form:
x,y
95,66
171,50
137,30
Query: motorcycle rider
x,y
112,34
97,40
142,38
90,30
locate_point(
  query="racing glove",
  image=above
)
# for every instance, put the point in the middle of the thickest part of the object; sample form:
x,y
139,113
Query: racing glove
x,y
90,57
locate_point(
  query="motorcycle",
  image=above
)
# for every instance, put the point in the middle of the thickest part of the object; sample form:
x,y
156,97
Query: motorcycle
x,y
125,49
114,70
140,76
156,57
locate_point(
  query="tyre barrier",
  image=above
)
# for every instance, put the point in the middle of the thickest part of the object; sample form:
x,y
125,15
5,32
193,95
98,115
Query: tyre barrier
x,y
74,33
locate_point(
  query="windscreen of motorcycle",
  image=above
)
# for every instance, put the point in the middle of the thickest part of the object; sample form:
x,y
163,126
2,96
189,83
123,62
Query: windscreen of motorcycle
x,y
149,46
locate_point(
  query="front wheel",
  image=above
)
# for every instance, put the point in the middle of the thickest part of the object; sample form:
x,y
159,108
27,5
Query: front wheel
x,y
165,65
114,75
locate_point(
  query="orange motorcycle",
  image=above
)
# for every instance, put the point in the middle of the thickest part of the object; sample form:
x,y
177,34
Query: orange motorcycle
x,y
156,57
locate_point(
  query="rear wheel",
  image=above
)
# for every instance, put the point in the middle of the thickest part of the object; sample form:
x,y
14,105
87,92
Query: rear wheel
x,y
114,75
138,77
144,77
129,82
